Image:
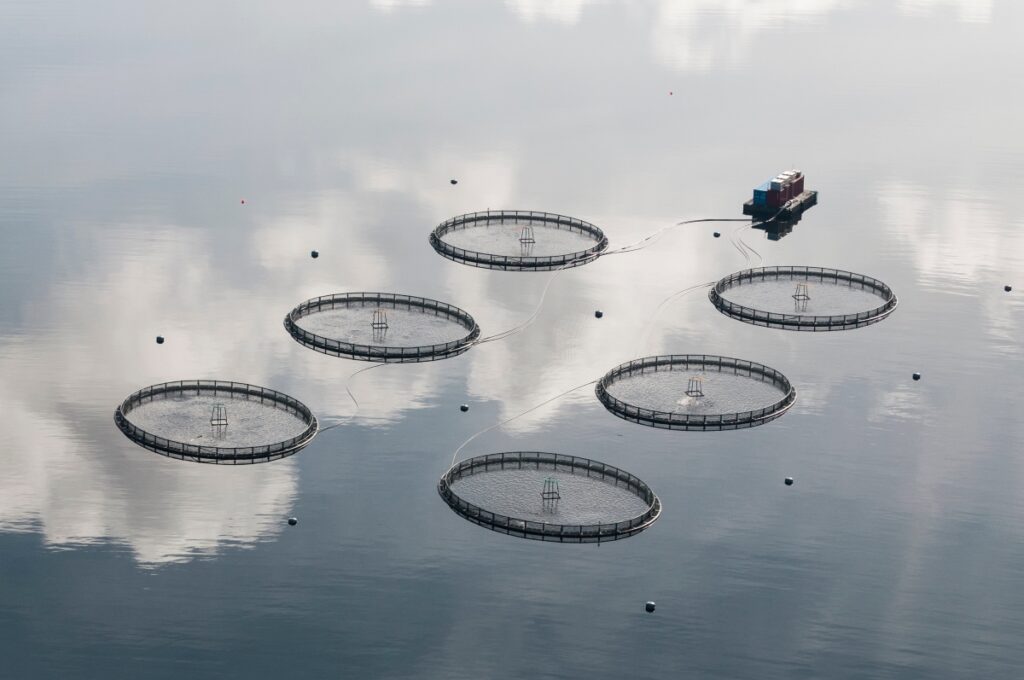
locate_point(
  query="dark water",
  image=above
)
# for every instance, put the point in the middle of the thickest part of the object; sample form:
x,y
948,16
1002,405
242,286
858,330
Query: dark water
x,y
131,134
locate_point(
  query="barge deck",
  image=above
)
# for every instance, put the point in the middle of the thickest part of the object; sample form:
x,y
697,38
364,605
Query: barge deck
x,y
792,209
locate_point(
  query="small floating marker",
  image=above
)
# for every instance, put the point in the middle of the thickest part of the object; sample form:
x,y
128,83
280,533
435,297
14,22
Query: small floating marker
x,y
917,376
1007,288
292,521
243,201
670,93
598,313
649,607
159,339
464,408
314,254
789,481
454,181
718,234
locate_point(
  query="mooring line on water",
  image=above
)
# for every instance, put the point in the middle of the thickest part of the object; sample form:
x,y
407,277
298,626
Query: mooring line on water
x,y
733,239
631,248
745,249
519,415
737,242
645,336
348,382
646,241
348,389
760,258
529,320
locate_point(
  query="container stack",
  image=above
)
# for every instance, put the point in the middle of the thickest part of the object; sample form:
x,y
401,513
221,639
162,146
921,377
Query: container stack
x,y
780,189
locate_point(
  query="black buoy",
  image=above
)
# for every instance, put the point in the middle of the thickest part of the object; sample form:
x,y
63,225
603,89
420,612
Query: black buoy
x,y
789,481
598,314
159,339
649,607
314,254
917,376
1007,288
464,408
292,521
455,181
717,234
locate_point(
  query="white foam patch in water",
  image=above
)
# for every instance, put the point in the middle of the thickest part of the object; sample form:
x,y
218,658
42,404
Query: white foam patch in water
x,y
723,392
186,418
517,494
406,328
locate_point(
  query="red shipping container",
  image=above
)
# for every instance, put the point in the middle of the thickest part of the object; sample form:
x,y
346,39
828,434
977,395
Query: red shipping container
x,y
798,186
775,198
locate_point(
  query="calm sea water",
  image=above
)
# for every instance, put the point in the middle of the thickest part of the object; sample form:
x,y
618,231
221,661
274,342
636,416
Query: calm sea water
x,y
133,132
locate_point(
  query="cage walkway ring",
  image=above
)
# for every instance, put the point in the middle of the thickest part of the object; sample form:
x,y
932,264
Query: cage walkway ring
x,y
523,260
382,352
674,420
233,455
798,321
544,531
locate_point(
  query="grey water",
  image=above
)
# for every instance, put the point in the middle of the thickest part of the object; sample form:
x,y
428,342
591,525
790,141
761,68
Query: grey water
x,y
133,132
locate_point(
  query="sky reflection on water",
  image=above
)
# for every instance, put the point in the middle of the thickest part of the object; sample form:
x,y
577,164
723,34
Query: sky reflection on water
x,y
130,146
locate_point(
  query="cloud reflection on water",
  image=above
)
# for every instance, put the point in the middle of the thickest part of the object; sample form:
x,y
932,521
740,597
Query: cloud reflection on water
x,y
68,473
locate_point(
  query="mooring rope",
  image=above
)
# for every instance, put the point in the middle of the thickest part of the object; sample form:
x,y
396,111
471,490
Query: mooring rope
x,y
348,389
733,239
529,320
631,248
744,248
645,335
647,240
760,258
518,415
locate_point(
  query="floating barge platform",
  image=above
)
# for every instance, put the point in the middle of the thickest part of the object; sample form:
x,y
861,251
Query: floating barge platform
x,y
790,210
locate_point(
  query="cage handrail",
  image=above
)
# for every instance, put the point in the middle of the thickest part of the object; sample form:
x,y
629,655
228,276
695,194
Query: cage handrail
x,y
536,262
381,352
173,447
787,320
549,530
675,420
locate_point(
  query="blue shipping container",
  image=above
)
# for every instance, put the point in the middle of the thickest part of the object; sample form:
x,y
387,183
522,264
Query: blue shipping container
x,y
761,194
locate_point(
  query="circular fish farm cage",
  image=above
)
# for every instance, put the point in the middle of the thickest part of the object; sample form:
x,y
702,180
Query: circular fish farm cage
x,y
518,240
214,421
549,497
382,327
803,298
696,392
